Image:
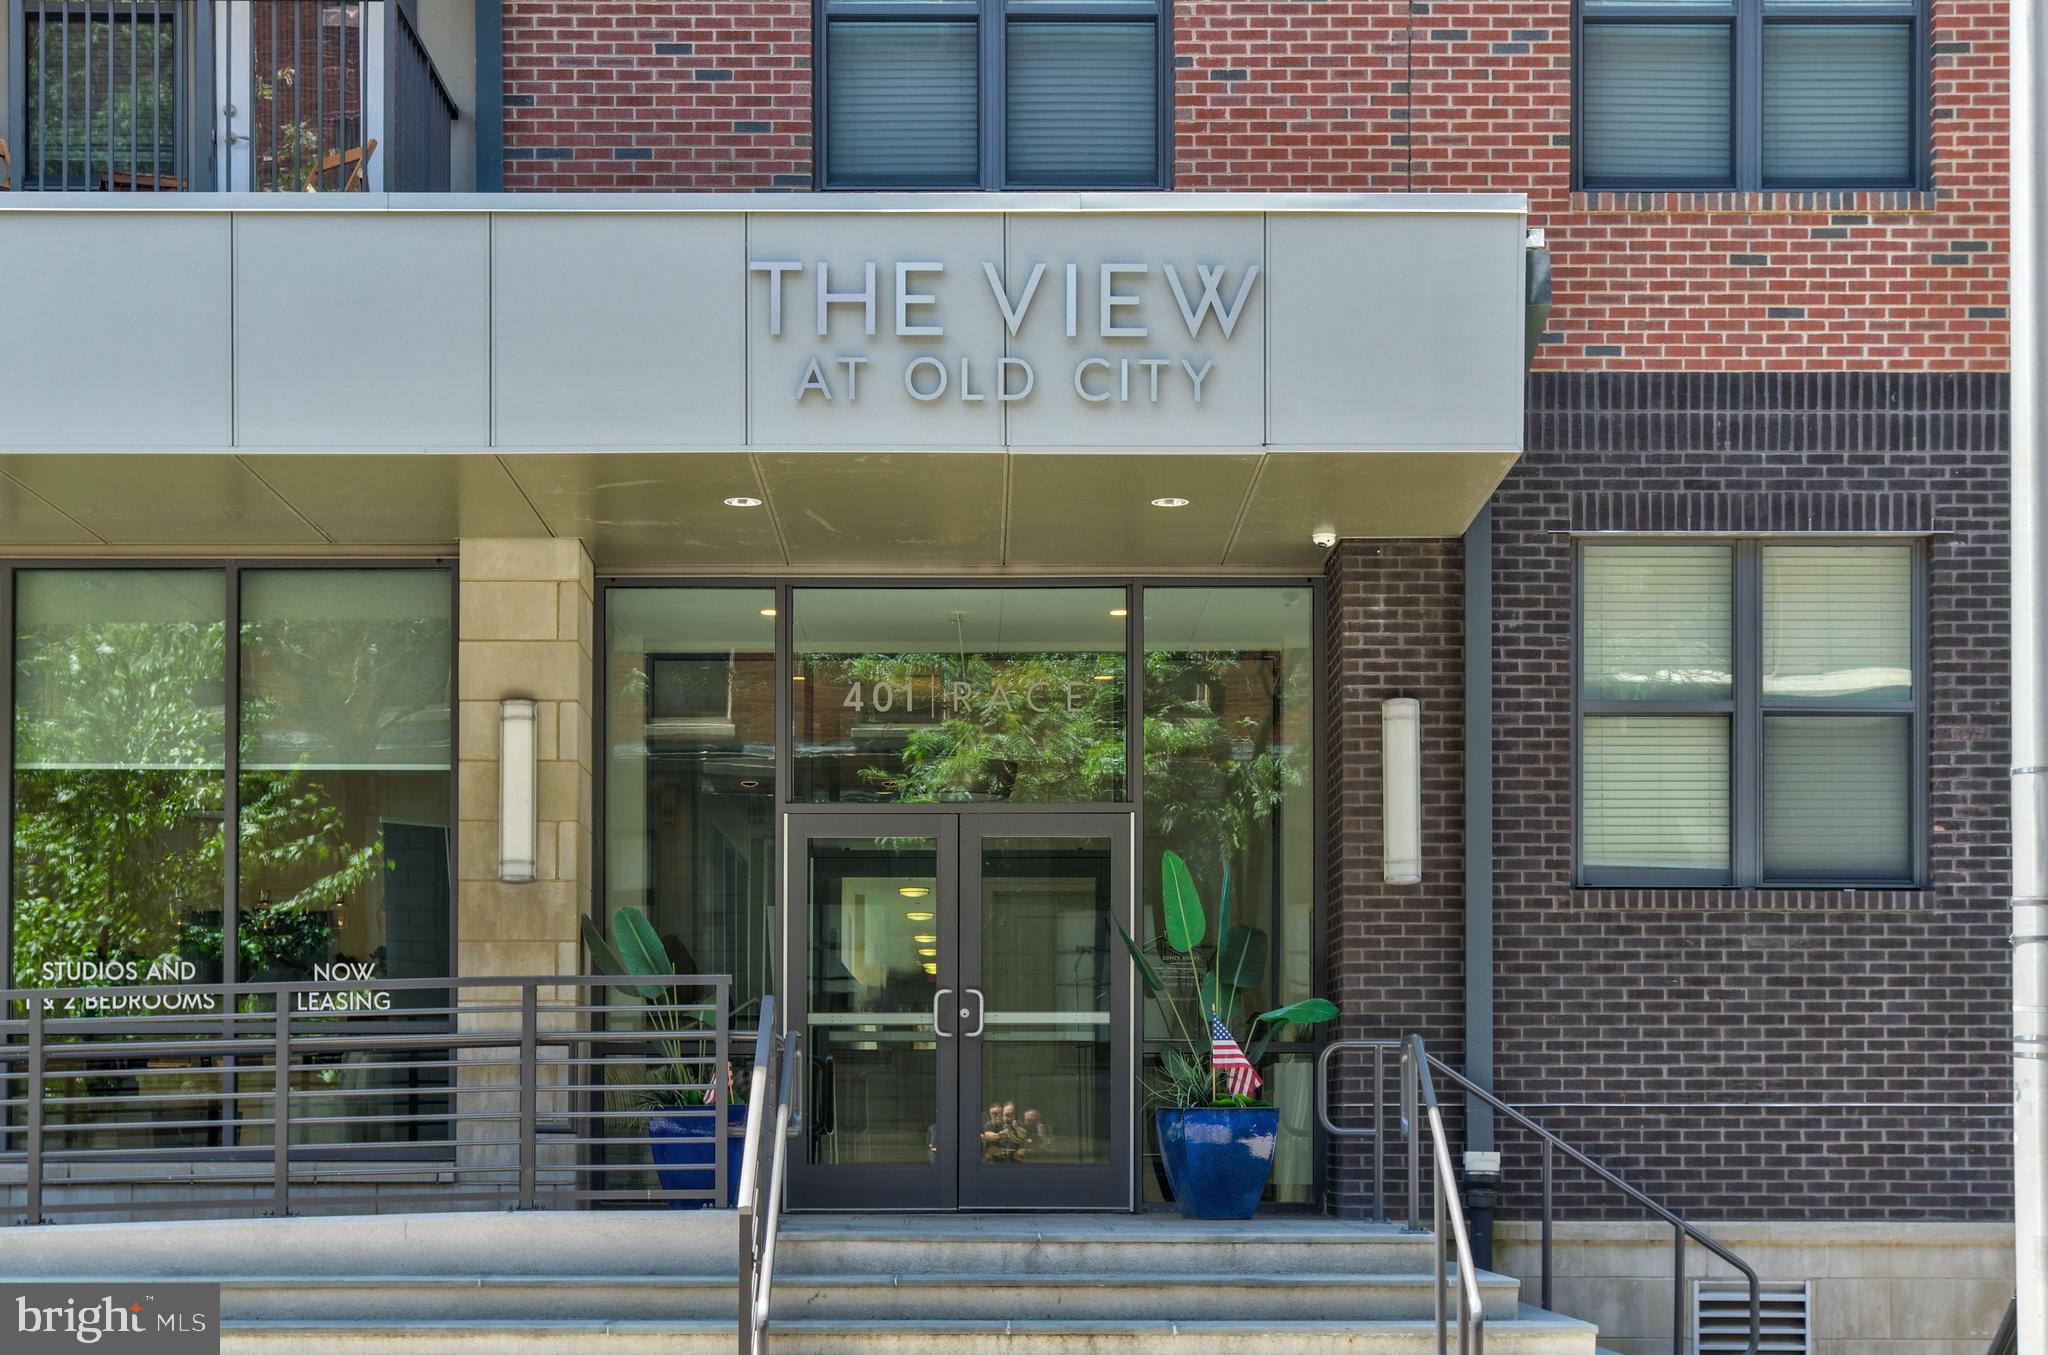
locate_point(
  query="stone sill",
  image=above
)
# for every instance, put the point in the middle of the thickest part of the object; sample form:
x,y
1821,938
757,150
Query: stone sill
x,y
1776,202
1727,900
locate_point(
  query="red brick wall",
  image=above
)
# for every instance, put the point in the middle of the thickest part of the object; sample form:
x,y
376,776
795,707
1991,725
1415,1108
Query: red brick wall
x,y
657,95
686,95
1276,95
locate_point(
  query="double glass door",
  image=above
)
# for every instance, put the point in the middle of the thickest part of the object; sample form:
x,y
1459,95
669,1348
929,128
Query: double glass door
x,y
967,1009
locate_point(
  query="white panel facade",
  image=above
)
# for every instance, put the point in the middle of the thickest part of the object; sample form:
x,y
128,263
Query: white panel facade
x,y
1396,332
1132,323
615,333
362,333
115,332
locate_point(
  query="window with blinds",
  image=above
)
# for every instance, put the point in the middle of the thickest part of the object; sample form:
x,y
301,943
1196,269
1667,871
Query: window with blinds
x,y
1751,94
993,94
1749,713
901,105
1082,104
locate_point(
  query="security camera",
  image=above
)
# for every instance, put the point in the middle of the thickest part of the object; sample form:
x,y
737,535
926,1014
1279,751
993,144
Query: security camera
x,y
1325,539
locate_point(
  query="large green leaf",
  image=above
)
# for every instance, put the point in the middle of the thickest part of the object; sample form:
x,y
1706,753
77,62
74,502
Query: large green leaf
x,y
1145,970
639,944
1223,910
1185,924
1241,959
604,956
1306,1012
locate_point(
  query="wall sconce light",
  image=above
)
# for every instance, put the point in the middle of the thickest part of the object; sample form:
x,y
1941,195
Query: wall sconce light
x,y
518,772
1401,790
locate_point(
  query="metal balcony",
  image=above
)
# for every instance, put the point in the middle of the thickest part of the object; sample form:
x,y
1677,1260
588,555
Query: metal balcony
x,y
222,96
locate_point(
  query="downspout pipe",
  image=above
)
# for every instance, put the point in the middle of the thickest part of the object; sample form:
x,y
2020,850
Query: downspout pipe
x,y
2029,142
490,96
1482,1170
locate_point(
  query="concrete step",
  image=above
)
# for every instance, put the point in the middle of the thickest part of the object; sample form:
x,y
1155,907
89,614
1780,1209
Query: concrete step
x,y
878,1298
1097,1244
1530,1332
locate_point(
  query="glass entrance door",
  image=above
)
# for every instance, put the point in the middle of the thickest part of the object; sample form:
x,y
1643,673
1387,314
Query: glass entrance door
x,y
967,1021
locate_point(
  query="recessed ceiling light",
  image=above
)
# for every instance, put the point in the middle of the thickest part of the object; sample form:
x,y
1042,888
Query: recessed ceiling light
x,y
1119,611
920,917
931,967
926,940
927,951
913,891
1105,677
750,785
767,611
1170,502
742,501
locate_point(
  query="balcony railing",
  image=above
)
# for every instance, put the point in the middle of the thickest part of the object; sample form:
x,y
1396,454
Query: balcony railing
x,y
224,95
367,1096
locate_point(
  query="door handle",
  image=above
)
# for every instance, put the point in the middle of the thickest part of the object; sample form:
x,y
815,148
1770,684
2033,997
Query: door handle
x,y
980,1012
939,1000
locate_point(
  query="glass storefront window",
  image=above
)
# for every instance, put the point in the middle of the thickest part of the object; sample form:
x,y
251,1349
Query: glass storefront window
x,y
938,696
689,693
934,695
346,766
120,732
1229,746
1230,721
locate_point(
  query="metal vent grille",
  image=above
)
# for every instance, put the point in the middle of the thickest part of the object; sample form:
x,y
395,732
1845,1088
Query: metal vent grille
x,y
1720,1317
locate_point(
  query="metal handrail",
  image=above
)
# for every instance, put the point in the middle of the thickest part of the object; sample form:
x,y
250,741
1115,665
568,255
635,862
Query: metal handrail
x,y
2006,1340
529,1091
761,1194
1418,1104
1681,1230
1471,1308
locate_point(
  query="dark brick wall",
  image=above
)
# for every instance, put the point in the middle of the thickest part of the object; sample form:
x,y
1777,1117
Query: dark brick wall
x,y
1396,628
1782,1054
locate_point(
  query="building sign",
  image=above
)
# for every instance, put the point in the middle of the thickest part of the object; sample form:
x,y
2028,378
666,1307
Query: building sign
x,y
134,987
1095,303
1288,323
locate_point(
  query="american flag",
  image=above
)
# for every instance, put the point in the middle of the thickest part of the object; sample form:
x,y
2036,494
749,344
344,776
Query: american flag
x,y
1229,1060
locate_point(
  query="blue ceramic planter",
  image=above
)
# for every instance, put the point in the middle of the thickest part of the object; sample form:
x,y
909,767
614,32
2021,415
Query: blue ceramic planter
x,y
1217,1161
685,1155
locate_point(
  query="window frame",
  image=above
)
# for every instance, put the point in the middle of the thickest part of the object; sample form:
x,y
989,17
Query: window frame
x,y
1746,21
1322,751
232,569
1746,710
992,19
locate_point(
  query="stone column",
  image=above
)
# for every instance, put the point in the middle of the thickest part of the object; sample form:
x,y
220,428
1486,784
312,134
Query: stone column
x,y
527,623
527,627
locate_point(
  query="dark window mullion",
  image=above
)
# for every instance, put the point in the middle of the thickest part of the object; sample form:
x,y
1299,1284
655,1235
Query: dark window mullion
x,y
1919,743
1745,756
995,85
1748,96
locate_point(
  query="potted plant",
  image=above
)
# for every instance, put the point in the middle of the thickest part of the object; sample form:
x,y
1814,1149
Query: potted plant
x,y
1216,1137
672,1098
